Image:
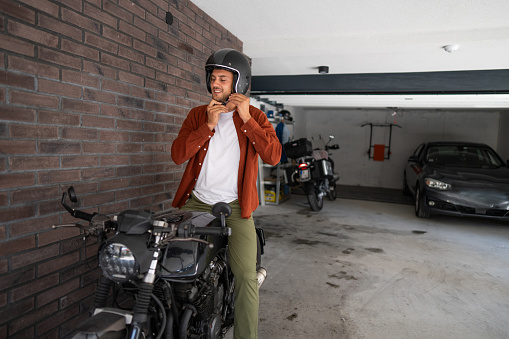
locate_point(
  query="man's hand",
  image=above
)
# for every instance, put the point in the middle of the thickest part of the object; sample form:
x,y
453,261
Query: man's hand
x,y
214,110
241,103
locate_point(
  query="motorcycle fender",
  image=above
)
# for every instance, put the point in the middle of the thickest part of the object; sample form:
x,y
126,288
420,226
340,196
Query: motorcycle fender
x,y
106,322
309,187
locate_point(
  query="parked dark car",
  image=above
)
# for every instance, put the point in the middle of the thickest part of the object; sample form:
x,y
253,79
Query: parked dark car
x,y
458,178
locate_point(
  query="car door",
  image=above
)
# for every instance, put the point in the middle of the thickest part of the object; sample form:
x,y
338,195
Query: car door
x,y
414,168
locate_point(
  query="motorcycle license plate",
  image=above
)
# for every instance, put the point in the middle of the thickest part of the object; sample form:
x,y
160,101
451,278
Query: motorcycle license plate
x,y
304,174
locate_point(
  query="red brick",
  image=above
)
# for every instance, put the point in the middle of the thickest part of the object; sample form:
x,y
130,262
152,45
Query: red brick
x,y
32,257
78,133
154,127
80,20
156,21
114,208
129,101
58,263
114,160
114,61
155,106
59,176
98,69
129,125
17,245
100,15
32,99
57,292
98,95
16,180
116,36
33,225
103,44
58,118
95,121
33,163
3,202
56,319
119,12
57,235
115,136
16,80
140,202
14,213
153,147
17,310
145,48
131,78
77,295
33,67
128,193
98,147
20,12
131,54
32,318
79,78
59,58
142,92
80,106
114,86
58,88
33,287
33,34
18,46
80,49
33,132
114,184
142,158
59,147
145,71
98,199
17,147
142,137
128,171
60,27
43,5
142,180
132,7
80,161
132,30
98,173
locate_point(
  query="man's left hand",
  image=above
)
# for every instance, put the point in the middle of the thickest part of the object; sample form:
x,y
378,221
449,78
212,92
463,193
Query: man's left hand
x,y
241,103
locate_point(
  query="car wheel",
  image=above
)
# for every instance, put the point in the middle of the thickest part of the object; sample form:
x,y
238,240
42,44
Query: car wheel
x,y
420,205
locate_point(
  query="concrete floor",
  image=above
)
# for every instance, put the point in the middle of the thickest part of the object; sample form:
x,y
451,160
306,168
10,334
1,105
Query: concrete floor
x,y
366,269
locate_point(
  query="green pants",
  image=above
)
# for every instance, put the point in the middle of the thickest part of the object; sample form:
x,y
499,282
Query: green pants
x,y
242,247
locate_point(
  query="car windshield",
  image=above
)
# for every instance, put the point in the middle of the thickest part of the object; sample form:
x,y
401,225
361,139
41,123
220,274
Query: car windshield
x,y
464,156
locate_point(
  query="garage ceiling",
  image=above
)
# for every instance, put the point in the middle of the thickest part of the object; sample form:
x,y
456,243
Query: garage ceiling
x,y
292,38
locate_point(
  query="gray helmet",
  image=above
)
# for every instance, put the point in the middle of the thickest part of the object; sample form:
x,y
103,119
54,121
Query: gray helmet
x,y
233,61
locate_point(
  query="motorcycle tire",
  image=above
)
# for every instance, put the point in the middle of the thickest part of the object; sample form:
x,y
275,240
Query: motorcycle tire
x,y
332,194
315,201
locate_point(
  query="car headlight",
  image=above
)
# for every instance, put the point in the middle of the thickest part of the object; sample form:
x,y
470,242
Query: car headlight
x,y
437,184
118,262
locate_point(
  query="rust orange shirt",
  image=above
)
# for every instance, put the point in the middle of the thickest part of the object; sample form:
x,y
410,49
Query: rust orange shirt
x,y
256,138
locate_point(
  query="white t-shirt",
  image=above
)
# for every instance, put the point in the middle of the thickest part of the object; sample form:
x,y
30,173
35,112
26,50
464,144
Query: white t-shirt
x,y
218,177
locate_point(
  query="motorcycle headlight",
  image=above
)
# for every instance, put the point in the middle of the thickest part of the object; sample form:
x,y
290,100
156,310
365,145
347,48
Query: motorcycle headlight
x,y
437,184
118,262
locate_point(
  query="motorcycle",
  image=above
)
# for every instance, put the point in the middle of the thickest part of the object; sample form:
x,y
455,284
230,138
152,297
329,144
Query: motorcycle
x,y
314,170
169,273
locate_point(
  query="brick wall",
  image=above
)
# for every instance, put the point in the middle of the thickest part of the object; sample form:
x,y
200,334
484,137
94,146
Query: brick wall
x,y
92,93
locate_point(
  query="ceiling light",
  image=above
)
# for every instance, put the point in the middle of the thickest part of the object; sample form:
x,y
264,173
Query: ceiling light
x,y
450,48
323,69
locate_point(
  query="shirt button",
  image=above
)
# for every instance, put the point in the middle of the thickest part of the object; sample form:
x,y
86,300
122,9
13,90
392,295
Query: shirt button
x,y
245,130
199,164
204,149
199,146
253,142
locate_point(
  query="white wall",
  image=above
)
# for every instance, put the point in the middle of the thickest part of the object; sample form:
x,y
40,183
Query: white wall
x,y
503,135
352,162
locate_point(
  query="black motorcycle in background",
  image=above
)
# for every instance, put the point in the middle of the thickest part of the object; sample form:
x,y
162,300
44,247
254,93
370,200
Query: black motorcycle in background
x,y
314,170
165,275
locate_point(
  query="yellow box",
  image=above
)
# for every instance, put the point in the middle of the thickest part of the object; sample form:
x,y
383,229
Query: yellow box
x,y
270,195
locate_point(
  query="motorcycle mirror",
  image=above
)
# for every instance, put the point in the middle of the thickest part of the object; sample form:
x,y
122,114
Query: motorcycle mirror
x,y
72,194
220,209
331,137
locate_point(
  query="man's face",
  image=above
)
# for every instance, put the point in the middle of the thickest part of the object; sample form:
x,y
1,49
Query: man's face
x,y
221,82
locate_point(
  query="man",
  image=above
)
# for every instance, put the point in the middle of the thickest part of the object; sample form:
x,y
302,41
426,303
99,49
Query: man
x,y
221,142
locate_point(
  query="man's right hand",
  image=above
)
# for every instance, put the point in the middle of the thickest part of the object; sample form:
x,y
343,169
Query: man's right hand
x,y
214,110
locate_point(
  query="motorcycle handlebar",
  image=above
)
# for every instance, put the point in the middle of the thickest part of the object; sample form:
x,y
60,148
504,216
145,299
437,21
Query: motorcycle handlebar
x,y
83,215
224,231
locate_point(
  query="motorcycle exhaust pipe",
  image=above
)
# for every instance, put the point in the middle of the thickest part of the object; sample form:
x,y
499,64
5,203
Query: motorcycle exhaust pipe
x,y
261,274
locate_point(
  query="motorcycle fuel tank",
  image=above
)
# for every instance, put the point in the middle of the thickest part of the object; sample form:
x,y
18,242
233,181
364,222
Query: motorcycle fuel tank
x,y
188,259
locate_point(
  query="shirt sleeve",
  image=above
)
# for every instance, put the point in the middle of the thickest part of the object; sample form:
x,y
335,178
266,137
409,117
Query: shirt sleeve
x,y
192,136
262,135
